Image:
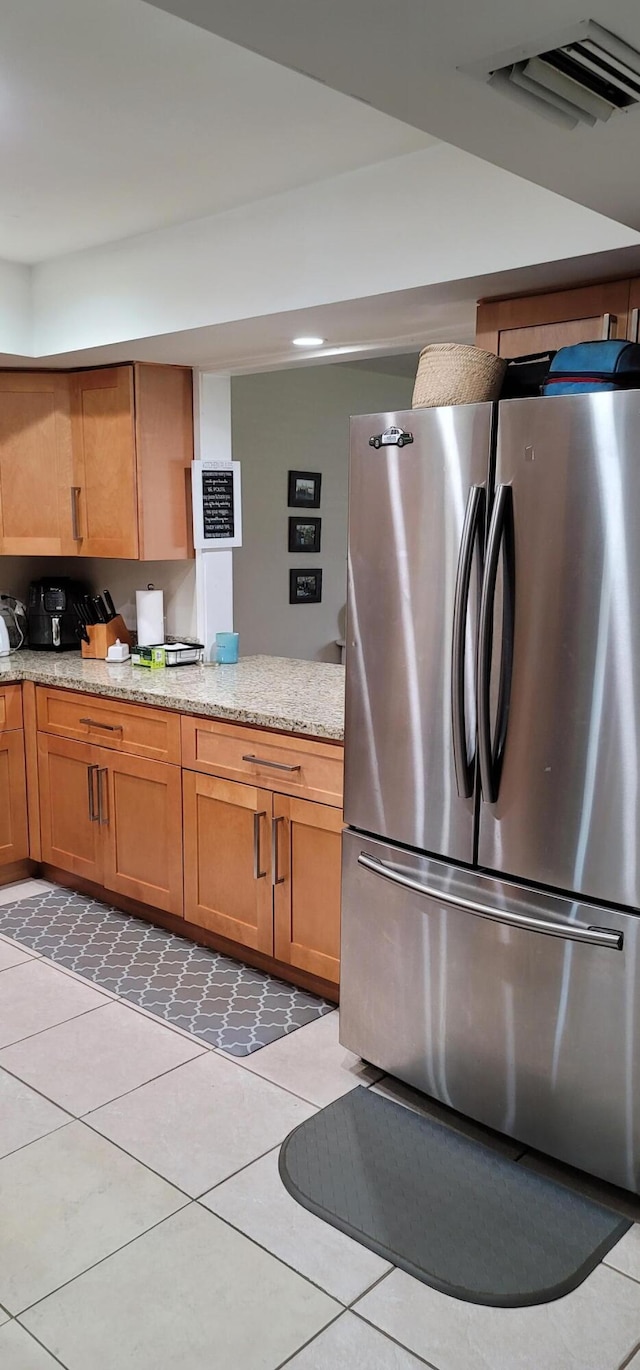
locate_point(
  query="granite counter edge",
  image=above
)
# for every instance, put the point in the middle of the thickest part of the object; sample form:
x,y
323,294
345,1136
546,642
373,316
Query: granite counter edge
x,y
195,708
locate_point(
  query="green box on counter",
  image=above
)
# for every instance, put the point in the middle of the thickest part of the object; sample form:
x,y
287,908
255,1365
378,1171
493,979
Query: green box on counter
x,y
151,657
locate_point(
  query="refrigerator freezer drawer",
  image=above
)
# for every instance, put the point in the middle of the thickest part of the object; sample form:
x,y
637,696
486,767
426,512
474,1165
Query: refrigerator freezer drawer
x,y
515,1007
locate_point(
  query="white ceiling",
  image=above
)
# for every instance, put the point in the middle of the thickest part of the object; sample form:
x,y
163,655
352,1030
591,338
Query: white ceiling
x,y
117,118
403,57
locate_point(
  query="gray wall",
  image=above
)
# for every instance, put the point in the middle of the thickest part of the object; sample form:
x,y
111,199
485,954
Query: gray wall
x,y
297,420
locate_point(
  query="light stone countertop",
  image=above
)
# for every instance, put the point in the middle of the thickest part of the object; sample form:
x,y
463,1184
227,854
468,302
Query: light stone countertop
x,y
304,697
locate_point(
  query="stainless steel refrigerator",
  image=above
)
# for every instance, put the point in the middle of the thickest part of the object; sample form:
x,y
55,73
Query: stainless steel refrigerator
x,y
491,872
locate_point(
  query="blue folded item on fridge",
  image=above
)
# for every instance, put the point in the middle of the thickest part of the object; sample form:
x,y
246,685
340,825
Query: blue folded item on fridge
x,y
613,364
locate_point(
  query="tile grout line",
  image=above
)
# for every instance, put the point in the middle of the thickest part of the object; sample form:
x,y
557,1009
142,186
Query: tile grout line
x,y
408,1349
31,1035
342,1308
28,1333
628,1359
283,1363
83,1117
23,1147
94,1265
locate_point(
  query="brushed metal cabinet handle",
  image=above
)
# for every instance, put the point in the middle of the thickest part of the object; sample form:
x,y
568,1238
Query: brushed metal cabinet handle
x,y
75,522
275,765
103,813
277,879
93,816
633,325
608,322
106,727
257,873
570,932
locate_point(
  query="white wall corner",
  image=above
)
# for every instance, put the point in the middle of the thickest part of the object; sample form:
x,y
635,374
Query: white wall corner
x,y
212,442
16,309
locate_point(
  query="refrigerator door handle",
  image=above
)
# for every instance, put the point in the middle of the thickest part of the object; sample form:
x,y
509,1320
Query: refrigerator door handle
x,y
500,540
571,932
472,529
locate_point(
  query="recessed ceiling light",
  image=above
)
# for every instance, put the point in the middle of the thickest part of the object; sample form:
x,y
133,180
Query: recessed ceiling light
x,y
308,342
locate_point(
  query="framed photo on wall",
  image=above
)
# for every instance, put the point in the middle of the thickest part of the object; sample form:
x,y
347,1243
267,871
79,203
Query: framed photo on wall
x,y
304,489
305,587
304,534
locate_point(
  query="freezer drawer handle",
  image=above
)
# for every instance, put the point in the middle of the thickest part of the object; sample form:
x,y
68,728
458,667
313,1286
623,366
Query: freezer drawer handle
x,y
472,529
500,540
571,932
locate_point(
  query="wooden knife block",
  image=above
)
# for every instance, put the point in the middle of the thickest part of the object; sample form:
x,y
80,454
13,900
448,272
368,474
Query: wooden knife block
x,y
103,635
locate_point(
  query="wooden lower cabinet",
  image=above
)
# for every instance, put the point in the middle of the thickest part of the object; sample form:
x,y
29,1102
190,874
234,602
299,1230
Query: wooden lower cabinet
x,y
14,831
140,805
114,820
69,822
227,859
307,865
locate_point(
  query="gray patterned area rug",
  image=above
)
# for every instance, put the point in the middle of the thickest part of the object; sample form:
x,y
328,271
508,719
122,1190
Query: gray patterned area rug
x,y
227,1004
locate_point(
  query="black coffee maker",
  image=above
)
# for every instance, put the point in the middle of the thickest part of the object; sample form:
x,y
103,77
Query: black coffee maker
x,y
50,617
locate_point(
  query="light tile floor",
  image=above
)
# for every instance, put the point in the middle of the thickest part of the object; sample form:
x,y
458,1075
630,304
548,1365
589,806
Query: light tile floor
x,y
143,1225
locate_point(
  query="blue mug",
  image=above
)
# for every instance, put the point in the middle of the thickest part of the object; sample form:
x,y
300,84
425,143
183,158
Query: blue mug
x,y
227,644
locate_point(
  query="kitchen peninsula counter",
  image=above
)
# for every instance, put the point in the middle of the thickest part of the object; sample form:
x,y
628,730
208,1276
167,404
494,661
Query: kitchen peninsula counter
x,y
302,697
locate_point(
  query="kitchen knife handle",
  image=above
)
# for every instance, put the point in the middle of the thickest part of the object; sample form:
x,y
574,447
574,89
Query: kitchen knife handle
x,y
75,519
99,609
110,606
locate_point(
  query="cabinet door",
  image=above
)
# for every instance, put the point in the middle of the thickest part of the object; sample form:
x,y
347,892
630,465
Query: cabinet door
x,y
14,832
70,829
533,323
633,329
227,856
140,807
307,847
102,428
36,472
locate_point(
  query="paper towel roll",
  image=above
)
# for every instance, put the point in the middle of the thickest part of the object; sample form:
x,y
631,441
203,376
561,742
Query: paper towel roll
x,y
150,617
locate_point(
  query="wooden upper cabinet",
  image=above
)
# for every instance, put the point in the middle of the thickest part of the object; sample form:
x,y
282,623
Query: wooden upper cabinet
x,y
97,463
533,323
132,432
103,437
36,468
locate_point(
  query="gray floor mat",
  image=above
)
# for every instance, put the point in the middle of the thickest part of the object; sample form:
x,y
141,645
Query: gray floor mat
x,y
225,1003
447,1209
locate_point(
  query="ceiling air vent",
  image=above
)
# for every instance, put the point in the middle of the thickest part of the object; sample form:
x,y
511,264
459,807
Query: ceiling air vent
x,y
579,77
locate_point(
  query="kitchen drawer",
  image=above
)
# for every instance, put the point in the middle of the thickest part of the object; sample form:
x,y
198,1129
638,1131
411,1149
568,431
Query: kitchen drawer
x,y
10,707
289,765
132,728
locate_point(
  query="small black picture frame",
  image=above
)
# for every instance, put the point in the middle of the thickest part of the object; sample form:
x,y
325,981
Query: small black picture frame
x,y
305,586
304,534
304,489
